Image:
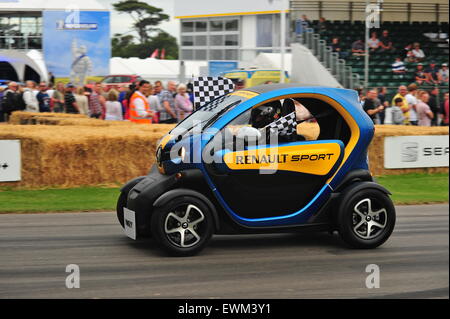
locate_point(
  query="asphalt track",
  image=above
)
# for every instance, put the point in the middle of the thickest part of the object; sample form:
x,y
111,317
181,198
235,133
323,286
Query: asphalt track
x,y
35,250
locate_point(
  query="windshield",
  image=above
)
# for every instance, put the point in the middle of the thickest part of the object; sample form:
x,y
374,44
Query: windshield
x,y
209,113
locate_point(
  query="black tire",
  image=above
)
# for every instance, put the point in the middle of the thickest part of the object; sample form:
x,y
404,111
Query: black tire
x,y
176,216
121,203
359,224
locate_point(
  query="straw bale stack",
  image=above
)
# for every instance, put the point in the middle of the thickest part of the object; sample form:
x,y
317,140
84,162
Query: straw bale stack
x,y
67,150
70,156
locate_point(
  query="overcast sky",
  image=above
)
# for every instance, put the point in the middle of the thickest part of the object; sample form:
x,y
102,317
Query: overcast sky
x,y
121,23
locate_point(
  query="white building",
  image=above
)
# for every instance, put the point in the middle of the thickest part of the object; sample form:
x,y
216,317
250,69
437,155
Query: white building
x,y
229,30
32,38
241,29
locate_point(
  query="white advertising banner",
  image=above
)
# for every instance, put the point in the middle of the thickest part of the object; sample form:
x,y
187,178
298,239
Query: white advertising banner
x,y
10,161
199,8
416,151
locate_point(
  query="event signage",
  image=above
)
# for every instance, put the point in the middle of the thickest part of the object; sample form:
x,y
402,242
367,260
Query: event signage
x,y
10,161
416,151
77,44
218,68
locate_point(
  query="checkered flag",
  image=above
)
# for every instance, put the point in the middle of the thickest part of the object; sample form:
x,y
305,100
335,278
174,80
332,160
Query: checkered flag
x,y
285,126
207,89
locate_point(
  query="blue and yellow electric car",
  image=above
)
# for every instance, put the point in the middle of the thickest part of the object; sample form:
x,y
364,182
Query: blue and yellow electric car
x,y
272,158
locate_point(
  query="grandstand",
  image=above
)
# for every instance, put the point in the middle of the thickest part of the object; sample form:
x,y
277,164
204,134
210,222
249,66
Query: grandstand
x,y
401,33
425,22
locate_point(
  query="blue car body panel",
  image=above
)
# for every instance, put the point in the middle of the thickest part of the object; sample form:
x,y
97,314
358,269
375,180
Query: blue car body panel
x,y
357,159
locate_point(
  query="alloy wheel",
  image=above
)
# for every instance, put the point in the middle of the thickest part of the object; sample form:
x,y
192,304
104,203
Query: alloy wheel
x,y
183,226
368,222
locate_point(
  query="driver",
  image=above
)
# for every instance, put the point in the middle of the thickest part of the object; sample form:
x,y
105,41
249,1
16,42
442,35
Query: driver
x,y
266,114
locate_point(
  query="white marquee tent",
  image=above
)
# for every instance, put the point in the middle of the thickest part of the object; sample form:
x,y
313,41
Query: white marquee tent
x,y
19,60
154,69
40,5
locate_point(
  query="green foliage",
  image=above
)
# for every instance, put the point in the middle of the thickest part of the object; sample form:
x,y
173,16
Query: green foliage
x,y
124,48
146,20
145,16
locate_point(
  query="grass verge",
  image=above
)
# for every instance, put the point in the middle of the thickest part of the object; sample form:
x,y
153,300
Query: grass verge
x,y
59,200
406,189
414,189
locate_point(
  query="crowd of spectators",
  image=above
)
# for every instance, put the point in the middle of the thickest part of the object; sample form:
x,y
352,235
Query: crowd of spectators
x,y
148,103
380,43
142,102
410,106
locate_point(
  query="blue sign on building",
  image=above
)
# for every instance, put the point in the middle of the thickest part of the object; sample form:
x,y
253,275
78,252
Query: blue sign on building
x,y
217,68
77,44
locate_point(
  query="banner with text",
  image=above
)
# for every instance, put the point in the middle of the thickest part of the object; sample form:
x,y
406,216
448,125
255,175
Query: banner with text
x,y
416,151
77,44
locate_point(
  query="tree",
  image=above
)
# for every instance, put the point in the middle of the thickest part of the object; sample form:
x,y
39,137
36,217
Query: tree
x,y
120,43
123,46
146,20
146,17
165,41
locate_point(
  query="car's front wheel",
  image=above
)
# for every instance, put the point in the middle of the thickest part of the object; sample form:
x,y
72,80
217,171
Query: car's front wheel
x,y
183,226
367,219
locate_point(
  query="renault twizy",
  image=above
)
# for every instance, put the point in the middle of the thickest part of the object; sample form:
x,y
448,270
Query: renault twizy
x,y
272,158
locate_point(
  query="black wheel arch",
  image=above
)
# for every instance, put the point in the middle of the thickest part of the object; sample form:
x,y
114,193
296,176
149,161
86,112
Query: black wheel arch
x,y
354,176
130,184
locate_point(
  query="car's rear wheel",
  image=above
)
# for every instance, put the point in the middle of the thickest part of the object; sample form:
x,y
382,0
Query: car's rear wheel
x,y
183,226
367,219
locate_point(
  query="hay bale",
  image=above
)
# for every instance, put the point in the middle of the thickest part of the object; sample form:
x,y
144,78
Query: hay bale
x,y
71,156
30,118
102,152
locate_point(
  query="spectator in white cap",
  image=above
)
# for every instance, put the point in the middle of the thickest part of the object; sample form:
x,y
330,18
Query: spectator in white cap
x,y
443,74
29,97
417,53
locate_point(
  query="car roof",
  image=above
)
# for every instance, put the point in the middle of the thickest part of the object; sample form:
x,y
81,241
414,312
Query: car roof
x,y
278,86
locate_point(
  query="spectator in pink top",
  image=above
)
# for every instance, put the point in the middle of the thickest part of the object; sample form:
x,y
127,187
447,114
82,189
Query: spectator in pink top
x,y
424,113
183,104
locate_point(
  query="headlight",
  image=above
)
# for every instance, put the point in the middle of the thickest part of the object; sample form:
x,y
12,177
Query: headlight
x,y
159,156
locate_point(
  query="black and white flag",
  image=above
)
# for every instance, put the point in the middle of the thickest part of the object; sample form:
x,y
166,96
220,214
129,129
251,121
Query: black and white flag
x,y
207,89
285,126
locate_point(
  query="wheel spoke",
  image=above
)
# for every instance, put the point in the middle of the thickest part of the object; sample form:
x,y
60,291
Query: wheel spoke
x,y
194,233
174,230
182,238
369,229
173,215
197,221
377,224
377,213
188,211
358,226
369,207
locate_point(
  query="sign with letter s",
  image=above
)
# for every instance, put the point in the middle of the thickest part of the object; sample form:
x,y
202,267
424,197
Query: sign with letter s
x,y
416,151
